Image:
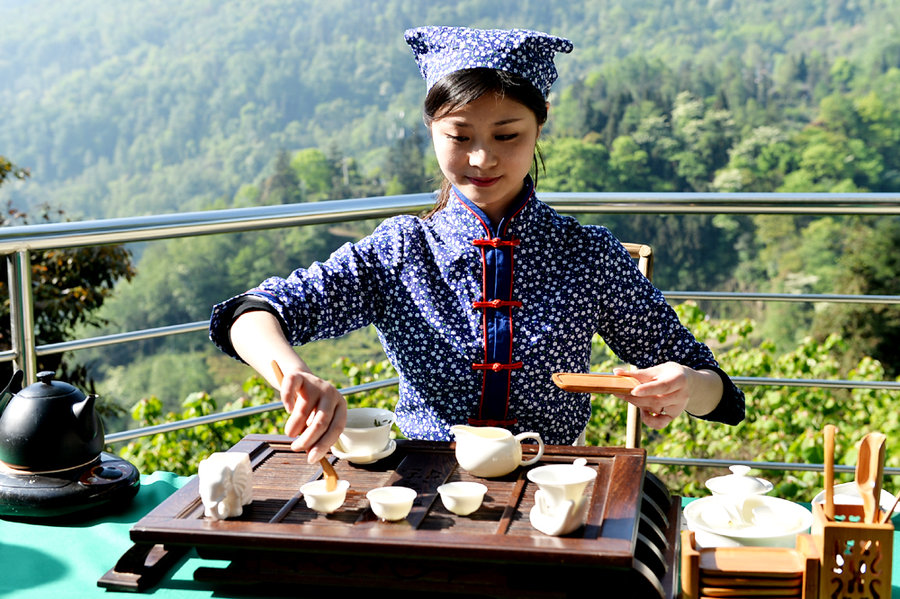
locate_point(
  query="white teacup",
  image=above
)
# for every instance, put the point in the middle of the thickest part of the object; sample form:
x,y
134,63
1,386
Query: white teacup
x,y
462,497
391,503
561,483
322,500
367,431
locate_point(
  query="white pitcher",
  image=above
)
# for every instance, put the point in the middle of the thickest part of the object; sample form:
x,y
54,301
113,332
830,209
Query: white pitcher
x,y
489,451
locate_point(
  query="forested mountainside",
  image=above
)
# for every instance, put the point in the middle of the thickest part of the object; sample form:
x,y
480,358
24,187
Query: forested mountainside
x,y
158,106
150,107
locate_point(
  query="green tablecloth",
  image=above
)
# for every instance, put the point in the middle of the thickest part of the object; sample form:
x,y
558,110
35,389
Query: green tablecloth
x,y
64,561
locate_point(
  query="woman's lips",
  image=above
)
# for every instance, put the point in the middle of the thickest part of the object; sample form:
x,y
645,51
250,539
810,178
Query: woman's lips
x,y
483,181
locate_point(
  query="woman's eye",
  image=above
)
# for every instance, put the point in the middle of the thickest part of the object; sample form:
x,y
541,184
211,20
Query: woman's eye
x,y
459,138
506,137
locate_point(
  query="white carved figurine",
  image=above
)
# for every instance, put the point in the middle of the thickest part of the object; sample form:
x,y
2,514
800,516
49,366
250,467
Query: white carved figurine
x,y
226,484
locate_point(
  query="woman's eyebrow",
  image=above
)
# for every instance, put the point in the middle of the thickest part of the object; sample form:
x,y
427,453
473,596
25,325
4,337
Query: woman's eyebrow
x,y
461,122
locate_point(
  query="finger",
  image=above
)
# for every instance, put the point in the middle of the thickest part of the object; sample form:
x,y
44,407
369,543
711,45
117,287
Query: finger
x,y
656,387
309,393
324,428
655,420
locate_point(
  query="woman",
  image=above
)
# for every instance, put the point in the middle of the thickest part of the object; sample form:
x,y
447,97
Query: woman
x,y
478,303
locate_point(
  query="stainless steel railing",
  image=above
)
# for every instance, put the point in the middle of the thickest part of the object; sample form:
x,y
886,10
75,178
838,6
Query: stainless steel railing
x,y
17,243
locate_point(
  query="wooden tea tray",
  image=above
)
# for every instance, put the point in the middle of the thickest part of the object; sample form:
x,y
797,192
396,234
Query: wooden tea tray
x,y
631,531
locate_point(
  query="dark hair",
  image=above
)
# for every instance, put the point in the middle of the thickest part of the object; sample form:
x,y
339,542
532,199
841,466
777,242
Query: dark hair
x,y
467,85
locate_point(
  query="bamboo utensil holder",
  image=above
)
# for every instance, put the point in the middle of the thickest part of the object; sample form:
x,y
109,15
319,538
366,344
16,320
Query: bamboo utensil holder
x,y
855,555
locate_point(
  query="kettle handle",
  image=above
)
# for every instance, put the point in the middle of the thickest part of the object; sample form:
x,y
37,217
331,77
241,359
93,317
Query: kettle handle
x,y
540,452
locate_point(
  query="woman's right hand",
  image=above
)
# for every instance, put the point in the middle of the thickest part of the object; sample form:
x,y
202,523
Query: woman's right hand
x,y
318,413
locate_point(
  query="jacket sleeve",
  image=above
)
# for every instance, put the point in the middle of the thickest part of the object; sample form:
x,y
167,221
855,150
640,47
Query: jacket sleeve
x,y
326,300
642,329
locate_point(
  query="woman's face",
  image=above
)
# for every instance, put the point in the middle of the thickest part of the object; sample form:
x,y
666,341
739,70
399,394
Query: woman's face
x,y
485,149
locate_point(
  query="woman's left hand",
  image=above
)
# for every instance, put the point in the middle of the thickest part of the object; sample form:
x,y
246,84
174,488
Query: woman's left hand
x,y
666,390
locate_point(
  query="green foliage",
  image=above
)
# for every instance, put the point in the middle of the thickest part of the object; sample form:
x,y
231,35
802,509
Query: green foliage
x,y
783,424
69,286
181,451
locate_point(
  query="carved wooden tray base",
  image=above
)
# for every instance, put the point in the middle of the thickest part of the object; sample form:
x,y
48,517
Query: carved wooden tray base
x,y
631,532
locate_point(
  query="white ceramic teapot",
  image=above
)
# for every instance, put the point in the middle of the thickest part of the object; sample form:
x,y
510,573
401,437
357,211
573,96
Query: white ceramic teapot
x,y
489,451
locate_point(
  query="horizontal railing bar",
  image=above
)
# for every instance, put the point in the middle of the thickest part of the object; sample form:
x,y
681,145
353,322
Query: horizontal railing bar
x,y
713,463
103,340
189,224
207,419
202,325
184,224
783,297
168,427
824,383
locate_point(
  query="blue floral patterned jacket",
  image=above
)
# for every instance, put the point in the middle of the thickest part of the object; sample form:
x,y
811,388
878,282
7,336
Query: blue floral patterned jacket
x,y
476,318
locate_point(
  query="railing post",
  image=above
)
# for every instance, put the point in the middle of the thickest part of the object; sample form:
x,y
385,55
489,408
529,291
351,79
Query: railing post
x,y
21,313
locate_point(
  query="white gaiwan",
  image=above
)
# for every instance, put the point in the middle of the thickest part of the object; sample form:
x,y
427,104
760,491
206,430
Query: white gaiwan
x,y
739,482
740,513
748,520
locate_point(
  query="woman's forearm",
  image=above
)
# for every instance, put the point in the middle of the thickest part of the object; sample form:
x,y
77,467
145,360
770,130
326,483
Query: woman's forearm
x,y
258,339
706,392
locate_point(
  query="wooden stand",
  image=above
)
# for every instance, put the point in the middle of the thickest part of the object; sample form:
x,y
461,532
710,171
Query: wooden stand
x,y
856,556
748,571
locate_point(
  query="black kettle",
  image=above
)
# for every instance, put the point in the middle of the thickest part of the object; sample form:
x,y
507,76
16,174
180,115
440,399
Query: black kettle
x,y
48,426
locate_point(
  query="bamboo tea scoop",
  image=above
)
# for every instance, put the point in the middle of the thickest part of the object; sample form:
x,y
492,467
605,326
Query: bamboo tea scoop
x,y
876,457
830,431
868,474
331,476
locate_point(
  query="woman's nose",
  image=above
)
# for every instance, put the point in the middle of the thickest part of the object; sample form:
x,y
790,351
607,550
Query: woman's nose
x,y
482,157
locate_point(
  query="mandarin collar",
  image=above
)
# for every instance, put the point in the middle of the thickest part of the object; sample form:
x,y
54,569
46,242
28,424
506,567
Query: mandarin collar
x,y
477,223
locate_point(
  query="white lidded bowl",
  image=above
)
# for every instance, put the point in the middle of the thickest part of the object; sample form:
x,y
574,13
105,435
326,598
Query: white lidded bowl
x,y
751,521
391,503
318,498
739,482
462,497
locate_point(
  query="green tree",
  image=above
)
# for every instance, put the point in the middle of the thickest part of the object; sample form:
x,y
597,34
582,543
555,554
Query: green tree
x,y
282,186
70,285
574,165
315,172
869,266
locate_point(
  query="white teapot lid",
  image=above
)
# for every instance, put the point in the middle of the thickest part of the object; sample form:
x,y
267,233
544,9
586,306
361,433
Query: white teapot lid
x,y
738,483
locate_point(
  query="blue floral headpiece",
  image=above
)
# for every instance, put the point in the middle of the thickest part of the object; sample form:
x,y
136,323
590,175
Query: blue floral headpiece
x,y
528,54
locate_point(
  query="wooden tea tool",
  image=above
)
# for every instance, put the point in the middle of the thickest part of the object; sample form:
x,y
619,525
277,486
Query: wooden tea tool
x,y
830,431
578,382
868,474
888,514
331,476
876,455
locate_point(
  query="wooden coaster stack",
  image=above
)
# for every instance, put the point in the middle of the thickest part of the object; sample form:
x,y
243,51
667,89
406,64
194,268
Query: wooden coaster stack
x,y
748,571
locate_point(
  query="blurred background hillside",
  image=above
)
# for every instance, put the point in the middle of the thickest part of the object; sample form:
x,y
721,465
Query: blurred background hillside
x,y
147,107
